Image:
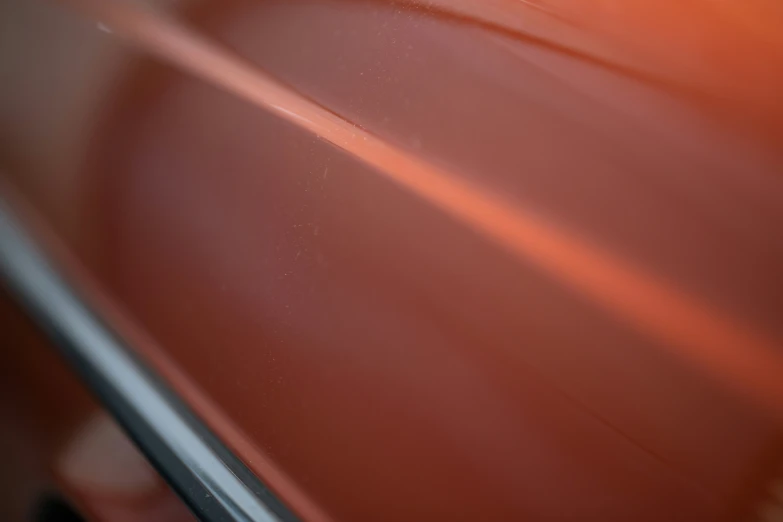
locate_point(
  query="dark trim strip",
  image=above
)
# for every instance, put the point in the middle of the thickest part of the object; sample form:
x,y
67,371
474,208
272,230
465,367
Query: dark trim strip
x,y
214,484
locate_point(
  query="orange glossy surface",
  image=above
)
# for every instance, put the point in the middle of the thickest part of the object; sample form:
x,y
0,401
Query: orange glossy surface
x,y
524,286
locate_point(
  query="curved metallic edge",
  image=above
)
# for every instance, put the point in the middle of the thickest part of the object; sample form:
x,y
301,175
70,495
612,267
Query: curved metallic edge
x,y
214,484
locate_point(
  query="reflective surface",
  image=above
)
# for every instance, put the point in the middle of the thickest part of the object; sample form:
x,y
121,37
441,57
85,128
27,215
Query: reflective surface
x,y
57,443
376,358
162,427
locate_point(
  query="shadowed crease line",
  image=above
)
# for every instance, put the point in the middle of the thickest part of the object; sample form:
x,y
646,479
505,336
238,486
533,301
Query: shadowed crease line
x,y
736,353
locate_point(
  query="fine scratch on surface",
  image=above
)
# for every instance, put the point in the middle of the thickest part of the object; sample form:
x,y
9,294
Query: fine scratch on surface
x,y
747,359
